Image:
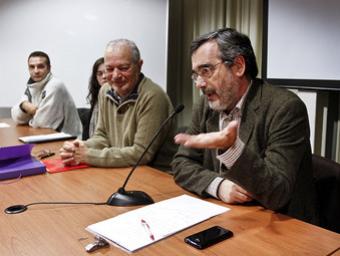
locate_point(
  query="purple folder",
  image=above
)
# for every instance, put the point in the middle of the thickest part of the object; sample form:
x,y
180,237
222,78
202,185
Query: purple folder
x,y
16,161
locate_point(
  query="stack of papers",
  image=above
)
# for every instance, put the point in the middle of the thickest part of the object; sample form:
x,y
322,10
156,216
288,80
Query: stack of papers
x,y
46,137
138,228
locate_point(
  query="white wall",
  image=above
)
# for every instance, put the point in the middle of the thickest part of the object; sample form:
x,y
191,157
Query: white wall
x,y
309,98
74,34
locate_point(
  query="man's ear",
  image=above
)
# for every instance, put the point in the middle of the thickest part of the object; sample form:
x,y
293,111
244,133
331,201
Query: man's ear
x,y
140,64
239,66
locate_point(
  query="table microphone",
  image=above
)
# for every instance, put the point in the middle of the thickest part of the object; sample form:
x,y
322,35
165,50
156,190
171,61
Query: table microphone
x,y
130,198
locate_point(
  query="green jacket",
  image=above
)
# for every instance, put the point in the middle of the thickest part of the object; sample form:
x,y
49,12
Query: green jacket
x,y
275,166
124,131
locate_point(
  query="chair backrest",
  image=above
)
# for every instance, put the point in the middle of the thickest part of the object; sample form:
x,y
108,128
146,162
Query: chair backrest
x,y
84,114
5,112
327,179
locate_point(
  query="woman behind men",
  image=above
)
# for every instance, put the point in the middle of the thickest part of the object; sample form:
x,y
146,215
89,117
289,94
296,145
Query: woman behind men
x,y
97,79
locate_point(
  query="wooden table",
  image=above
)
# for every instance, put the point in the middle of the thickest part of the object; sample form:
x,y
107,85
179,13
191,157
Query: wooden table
x,y
60,229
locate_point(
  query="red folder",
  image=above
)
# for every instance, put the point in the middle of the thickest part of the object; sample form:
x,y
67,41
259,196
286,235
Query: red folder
x,y
57,165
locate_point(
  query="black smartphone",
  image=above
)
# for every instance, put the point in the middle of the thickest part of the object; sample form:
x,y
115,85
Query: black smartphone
x,y
208,237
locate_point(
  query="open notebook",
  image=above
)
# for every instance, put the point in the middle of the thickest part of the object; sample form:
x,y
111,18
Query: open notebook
x,y
138,228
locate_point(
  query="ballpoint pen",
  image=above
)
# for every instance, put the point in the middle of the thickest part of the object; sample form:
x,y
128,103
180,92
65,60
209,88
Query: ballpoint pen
x,y
45,153
147,229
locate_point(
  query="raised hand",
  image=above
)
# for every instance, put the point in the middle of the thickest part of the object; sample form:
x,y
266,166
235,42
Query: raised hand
x,y
222,139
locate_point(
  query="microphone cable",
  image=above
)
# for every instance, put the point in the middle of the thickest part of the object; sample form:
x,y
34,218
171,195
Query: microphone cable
x,y
21,208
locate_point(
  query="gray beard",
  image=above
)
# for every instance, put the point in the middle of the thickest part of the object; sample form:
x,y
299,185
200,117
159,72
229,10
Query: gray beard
x,y
217,106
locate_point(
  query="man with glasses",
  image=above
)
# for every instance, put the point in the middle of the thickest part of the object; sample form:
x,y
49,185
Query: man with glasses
x,y
248,141
131,109
46,102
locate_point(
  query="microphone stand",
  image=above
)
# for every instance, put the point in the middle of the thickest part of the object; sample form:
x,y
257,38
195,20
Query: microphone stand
x,y
130,198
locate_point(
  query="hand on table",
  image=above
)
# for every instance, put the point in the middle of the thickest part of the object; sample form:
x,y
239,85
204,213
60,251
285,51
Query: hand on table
x,y
73,153
231,193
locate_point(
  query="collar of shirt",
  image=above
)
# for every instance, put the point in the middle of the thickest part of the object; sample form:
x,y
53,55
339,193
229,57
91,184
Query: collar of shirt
x,y
111,94
235,113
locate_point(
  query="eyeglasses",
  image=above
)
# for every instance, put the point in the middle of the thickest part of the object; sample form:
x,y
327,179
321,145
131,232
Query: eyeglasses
x,y
205,71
